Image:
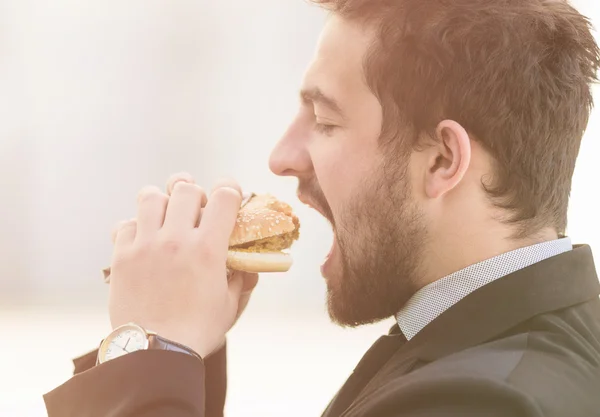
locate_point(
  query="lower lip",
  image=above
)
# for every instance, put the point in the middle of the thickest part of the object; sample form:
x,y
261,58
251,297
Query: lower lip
x,y
328,259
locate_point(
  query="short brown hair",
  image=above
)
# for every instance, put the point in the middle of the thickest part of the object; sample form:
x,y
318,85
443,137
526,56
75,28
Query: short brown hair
x,y
516,74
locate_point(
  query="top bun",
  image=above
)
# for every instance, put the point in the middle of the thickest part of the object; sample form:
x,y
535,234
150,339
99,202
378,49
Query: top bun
x,y
262,217
269,202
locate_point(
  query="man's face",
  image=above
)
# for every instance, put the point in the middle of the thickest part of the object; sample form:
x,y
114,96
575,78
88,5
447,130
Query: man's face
x,y
362,188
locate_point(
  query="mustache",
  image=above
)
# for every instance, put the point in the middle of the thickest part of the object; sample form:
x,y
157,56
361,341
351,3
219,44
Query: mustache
x,y
310,189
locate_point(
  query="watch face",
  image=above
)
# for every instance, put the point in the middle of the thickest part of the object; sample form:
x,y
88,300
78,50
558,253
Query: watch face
x,y
125,339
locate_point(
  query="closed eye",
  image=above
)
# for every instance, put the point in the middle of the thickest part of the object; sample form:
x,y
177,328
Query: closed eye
x,y
326,129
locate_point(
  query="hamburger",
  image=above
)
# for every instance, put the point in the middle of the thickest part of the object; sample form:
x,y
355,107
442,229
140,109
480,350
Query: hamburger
x,y
265,230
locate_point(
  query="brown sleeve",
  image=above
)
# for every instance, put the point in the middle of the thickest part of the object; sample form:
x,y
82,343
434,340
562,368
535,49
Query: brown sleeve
x,y
215,375
216,382
148,383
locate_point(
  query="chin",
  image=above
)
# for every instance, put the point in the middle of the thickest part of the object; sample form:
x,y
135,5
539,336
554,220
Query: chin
x,y
356,298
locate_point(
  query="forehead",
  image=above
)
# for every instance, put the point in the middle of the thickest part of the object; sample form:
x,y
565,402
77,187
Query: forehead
x,y
337,67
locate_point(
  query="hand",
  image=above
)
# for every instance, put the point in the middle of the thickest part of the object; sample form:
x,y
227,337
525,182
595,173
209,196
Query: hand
x,y
250,279
168,270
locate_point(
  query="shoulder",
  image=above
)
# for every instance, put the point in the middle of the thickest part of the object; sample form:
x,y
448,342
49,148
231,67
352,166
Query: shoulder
x,y
527,374
449,394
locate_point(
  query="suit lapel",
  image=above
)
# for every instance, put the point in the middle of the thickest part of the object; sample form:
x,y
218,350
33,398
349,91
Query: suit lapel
x,y
381,351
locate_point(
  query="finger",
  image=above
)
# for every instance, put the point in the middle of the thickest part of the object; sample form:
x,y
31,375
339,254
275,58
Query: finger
x,y
152,204
236,283
227,182
115,230
248,285
183,210
126,234
242,304
218,219
175,178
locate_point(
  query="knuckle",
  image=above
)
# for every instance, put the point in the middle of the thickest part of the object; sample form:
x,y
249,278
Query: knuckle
x,y
141,249
188,188
180,176
171,244
205,251
122,259
122,226
150,194
118,225
125,224
116,229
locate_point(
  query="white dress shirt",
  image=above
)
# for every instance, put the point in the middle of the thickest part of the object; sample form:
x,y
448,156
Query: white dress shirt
x,y
432,300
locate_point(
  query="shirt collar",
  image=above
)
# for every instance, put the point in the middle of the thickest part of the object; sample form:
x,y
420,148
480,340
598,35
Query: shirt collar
x,y
433,299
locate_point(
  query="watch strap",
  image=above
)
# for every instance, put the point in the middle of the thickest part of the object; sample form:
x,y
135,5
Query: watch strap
x,y
160,343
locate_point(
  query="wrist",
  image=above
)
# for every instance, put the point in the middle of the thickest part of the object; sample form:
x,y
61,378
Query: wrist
x,y
215,350
204,351
204,344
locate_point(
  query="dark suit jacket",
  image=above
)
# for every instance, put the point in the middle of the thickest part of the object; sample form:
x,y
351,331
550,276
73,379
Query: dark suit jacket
x,y
525,345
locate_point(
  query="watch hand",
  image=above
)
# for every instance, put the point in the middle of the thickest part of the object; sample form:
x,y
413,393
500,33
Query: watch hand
x,y
124,347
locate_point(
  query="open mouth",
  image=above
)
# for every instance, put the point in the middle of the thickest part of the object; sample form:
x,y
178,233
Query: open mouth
x,y
315,207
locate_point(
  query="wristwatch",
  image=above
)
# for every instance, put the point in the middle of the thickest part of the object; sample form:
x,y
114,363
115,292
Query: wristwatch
x,y
131,337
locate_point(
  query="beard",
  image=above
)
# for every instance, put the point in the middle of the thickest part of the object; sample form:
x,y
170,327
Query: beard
x,y
381,236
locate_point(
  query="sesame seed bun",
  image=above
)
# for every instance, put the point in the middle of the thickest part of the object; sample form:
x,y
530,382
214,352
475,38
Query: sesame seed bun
x,y
259,261
265,227
260,223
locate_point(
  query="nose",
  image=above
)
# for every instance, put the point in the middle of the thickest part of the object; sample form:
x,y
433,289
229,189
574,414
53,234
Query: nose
x,y
290,157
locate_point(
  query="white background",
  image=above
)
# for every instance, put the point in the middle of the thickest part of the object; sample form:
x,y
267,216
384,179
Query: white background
x,y
99,98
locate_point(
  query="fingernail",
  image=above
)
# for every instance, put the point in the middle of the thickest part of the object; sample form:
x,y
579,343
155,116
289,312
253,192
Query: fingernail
x,y
226,187
178,181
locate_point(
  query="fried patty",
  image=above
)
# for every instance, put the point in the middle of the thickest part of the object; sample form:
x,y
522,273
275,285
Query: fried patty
x,y
271,244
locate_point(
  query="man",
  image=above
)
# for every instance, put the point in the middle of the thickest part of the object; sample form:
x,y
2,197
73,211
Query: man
x,y
439,139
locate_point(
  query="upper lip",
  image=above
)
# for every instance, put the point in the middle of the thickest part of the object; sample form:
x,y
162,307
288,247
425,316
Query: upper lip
x,y
310,204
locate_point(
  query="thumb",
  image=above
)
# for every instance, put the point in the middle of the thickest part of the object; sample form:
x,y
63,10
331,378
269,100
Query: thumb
x,y
250,282
236,285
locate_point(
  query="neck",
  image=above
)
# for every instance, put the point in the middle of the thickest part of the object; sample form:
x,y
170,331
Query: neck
x,y
461,248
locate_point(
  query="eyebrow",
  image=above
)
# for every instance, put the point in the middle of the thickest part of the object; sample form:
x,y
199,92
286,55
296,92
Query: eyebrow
x,y
315,95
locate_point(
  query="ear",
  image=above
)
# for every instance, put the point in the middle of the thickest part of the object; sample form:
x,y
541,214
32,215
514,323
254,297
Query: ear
x,y
448,160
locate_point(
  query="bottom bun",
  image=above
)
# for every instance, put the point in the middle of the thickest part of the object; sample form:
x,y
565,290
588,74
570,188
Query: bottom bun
x,y
259,261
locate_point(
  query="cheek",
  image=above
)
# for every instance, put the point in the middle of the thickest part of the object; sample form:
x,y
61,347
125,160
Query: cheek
x,y
341,172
